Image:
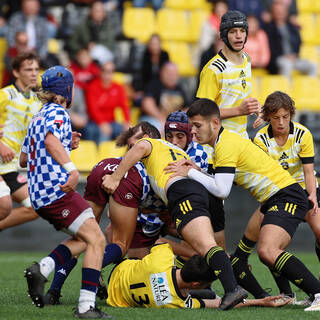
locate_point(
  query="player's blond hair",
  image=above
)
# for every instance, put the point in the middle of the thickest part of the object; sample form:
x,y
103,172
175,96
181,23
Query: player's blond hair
x,y
47,97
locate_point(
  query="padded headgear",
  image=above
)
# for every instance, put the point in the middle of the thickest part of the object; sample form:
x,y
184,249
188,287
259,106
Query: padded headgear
x,y
58,80
178,121
232,19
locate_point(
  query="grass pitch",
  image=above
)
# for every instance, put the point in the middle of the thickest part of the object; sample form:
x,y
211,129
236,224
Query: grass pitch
x,y
15,304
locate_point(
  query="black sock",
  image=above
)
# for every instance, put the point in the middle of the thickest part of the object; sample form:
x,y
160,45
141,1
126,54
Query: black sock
x,y
244,249
294,270
246,279
317,247
218,261
282,283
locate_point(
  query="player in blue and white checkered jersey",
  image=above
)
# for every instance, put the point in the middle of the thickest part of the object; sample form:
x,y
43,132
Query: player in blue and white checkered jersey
x,y
52,179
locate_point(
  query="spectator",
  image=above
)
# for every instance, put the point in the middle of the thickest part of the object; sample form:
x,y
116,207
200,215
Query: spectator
x,y
210,29
95,29
103,97
284,42
20,44
247,7
257,45
36,27
163,96
293,11
156,4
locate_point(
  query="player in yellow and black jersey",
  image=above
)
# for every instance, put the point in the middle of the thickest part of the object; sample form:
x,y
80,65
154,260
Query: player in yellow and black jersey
x,y
187,201
226,78
154,282
291,145
18,104
284,202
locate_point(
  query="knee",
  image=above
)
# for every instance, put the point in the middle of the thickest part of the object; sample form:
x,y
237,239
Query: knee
x,y
265,255
5,207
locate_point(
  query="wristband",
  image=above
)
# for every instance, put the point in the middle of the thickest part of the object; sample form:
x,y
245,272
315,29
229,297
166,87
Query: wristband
x,y
69,166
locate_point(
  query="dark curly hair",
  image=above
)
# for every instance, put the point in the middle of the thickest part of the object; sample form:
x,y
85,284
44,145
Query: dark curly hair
x,y
276,101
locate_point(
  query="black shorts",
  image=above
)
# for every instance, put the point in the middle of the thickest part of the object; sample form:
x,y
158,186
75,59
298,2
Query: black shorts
x,y
216,209
14,180
187,200
286,209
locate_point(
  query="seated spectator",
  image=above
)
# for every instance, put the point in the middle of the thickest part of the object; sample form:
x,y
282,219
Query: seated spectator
x,y
95,29
247,7
257,45
292,14
103,96
210,29
284,42
163,96
30,21
156,4
20,44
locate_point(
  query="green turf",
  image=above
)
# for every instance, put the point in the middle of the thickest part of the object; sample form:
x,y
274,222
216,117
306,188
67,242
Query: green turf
x,y
15,304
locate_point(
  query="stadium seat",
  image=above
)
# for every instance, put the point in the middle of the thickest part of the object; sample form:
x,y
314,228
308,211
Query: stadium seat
x,y
305,6
180,54
306,93
138,23
271,83
185,4
255,90
53,46
173,25
197,18
85,156
3,48
135,113
259,72
308,23
108,149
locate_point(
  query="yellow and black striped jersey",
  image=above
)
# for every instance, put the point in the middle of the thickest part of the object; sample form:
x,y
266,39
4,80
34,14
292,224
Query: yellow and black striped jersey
x,y
148,283
254,169
298,149
228,85
16,111
162,153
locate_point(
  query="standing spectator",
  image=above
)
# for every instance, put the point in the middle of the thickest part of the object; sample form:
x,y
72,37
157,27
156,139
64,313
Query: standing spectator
x,y
163,96
257,45
156,4
284,42
210,29
103,97
96,29
36,27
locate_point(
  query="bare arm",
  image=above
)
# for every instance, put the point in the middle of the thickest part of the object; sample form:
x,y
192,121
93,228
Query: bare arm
x,y
136,153
150,108
23,160
248,106
310,181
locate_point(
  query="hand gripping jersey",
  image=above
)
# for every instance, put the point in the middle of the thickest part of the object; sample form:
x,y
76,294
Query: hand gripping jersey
x,y
161,155
16,111
45,175
148,283
298,149
227,85
254,169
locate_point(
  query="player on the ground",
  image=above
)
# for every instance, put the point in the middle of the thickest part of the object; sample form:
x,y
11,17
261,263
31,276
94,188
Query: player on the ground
x,y
187,203
154,282
18,104
284,202
52,179
291,144
226,78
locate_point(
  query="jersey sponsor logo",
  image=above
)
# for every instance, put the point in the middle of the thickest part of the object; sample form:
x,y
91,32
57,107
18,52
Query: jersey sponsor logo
x,y
160,288
188,303
58,123
65,212
128,196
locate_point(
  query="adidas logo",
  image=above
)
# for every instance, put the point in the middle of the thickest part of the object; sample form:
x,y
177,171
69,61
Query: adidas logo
x,y
283,156
298,281
63,271
273,208
217,272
